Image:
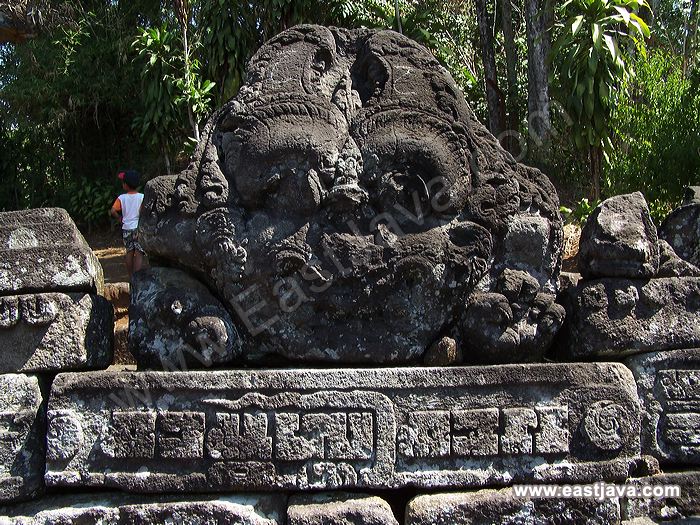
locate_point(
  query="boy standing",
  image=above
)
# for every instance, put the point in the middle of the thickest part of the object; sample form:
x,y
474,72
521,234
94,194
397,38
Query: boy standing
x,y
127,207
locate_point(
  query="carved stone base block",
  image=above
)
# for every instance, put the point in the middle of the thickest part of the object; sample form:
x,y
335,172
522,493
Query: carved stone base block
x,y
669,390
22,431
339,508
503,507
109,508
617,317
332,429
43,251
54,332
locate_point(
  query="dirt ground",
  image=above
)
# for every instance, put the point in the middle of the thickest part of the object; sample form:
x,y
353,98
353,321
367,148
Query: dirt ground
x,y
109,249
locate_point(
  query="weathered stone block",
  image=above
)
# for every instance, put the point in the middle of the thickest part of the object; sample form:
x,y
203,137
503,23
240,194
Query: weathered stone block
x,y
175,323
43,251
55,332
668,384
22,431
333,429
109,508
504,507
681,229
616,317
684,506
338,508
619,239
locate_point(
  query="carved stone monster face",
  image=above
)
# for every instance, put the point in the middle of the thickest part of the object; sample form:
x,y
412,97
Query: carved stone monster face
x,y
347,203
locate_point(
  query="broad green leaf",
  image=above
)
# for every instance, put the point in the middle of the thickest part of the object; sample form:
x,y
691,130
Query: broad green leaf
x,y
576,25
644,28
610,44
624,13
597,36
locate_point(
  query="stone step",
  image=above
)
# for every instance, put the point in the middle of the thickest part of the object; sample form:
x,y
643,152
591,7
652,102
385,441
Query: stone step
x,y
114,508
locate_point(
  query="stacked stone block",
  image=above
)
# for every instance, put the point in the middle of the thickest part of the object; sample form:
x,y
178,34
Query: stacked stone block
x,y
51,320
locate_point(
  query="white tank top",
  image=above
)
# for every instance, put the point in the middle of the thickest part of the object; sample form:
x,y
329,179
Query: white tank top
x,y
131,207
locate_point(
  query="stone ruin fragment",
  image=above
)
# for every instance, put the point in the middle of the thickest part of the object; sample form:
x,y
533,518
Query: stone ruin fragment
x,y
636,294
348,207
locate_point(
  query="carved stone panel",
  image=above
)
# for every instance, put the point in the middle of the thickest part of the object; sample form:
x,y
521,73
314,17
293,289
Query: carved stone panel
x,y
333,429
43,251
669,390
55,332
22,430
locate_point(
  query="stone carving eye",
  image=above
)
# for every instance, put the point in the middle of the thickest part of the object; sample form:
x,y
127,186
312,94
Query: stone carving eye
x,y
322,61
408,194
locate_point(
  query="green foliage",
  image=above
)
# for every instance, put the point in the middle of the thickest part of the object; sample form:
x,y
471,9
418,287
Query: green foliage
x,y
90,201
590,61
656,123
580,213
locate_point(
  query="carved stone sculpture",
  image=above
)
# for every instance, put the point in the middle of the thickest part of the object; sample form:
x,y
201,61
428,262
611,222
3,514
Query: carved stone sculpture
x,y
347,203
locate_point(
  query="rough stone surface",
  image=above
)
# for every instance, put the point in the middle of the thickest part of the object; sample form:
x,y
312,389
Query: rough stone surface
x,y
22,431
503,507
684,507
691,194
617,317
122,509
568,280
175,323
55,332
668,384
515,323
347,202
619,239
681,229
670,265
339,508
43,251
334,429
444,352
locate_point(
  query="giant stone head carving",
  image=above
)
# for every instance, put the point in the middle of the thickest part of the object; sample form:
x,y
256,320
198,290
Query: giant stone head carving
x,y
348,206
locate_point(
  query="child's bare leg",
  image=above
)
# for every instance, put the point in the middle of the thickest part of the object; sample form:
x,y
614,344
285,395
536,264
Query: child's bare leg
x,y
137,263
130,262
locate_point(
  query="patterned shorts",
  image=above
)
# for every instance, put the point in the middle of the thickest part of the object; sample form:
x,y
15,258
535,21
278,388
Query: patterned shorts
x,y
131,240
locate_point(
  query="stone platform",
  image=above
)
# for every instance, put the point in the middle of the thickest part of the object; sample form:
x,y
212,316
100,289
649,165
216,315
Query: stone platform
x,y
330,429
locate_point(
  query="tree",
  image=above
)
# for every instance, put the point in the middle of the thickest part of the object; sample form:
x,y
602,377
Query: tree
x,y
691,28
538,17
511,73
494,100
591,62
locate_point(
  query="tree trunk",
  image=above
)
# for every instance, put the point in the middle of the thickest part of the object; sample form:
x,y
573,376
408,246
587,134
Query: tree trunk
x,y
167,161
538,17
689,34
493,94
595,155
397,11
513,120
